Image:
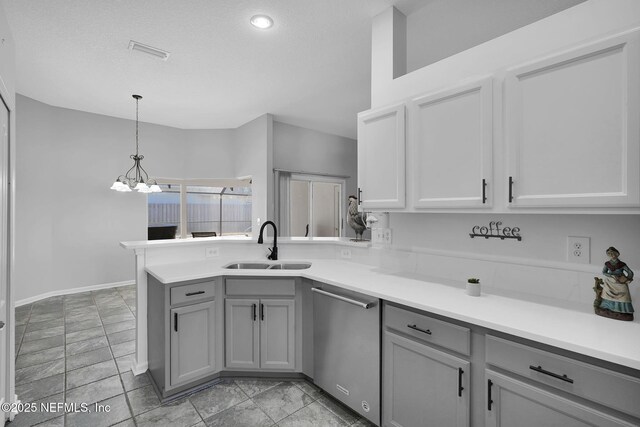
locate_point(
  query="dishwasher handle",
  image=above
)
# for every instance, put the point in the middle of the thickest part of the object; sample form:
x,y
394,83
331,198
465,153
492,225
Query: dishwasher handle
x,y
365,305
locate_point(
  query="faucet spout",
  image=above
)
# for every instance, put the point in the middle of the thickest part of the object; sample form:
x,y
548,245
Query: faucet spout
x,y
273,251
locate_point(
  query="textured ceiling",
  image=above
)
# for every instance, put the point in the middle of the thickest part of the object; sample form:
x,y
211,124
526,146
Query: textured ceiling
x,y
311,69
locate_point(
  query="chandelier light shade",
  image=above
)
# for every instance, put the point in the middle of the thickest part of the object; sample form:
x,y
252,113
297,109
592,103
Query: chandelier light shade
x,y
136,178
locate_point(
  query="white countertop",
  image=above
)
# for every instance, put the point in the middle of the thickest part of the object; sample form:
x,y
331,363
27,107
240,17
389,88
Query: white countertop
x,y
578,331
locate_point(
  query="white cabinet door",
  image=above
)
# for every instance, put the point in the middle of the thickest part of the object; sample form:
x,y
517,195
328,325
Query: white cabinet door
x,y
381,158
242,333
572,127
277,332
513,403
423,386
452,140
192,342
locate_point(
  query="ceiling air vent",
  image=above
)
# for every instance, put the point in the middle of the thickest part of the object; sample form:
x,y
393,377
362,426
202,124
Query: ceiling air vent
x,y
149,50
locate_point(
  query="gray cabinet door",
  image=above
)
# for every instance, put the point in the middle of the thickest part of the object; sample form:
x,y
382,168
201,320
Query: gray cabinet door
x,y
242,333
514,403
192,342
277,332
423,386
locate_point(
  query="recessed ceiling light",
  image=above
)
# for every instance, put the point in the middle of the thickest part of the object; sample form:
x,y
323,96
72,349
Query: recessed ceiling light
x,y
261,21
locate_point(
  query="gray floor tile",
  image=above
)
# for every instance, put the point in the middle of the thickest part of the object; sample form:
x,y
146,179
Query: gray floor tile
x,y
44,356
255,386
123,349
217,398
84,334
308,388
86,310
35,390
177,414
55,422
39,416
86,345
124,363
43,344
88,358
120,326
79,303
313,415
43,333
91,373
282,401
126,423
97,416
36,372
36,326
45,317
114,311
80,326
107,320
143,399
96,391
122,336
132,382
81,317
245,414
339,409
362,422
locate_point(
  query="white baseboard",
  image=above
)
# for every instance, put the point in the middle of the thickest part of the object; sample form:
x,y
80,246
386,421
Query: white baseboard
x,y
33,299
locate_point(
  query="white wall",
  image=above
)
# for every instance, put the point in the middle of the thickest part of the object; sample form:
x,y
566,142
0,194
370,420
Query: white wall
x,y
68,222
544,235
305,150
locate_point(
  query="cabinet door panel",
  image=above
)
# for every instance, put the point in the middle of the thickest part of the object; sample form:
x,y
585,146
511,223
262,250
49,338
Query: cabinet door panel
x,y
572,127
242,340
452,134
277,331
192,342
381,157
421,385
515,403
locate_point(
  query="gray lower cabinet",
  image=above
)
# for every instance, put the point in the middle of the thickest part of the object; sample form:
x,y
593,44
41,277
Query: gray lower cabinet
x,y
192,342
260,333
423,386
511,402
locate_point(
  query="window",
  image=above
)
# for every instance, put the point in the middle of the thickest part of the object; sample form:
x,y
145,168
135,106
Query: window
x,y
203,209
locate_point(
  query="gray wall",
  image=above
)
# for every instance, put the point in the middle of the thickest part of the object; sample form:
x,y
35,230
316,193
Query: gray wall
x,y
310,151
68,222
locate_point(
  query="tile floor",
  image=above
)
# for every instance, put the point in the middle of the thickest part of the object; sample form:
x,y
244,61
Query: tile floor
x,y
76,348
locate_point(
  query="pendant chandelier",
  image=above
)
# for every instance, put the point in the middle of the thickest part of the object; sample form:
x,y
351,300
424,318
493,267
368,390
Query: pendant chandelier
x,y
136,178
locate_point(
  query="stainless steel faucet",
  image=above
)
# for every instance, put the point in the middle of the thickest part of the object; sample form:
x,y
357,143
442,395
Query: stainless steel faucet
x,y
274,252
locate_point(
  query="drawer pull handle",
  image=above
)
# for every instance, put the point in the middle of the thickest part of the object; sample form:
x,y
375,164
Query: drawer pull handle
x,y
175,321
190,294
563,377
262,312
254,311
484,191
460,388
415,328
489,400
510,189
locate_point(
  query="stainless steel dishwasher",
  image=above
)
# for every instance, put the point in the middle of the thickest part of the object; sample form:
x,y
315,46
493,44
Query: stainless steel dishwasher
x,y
346,341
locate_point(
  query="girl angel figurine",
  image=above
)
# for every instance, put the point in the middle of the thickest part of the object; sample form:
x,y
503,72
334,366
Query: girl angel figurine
x,y
612,293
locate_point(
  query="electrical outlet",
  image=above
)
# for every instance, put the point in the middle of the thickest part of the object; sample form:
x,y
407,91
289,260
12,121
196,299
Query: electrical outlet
x,y
345,253
578,250
211,252
385,238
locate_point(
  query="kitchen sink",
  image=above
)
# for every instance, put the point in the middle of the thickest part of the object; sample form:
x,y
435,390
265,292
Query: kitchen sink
x,y
269,266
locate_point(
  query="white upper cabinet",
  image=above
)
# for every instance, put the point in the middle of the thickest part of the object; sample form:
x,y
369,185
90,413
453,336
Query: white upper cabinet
x,y
452,139
572,128
381,158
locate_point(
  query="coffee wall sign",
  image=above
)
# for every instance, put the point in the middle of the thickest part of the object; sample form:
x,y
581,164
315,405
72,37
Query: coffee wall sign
x,y
495,229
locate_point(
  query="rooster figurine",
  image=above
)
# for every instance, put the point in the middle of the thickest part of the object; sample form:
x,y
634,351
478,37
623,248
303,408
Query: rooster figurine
x,y
356,220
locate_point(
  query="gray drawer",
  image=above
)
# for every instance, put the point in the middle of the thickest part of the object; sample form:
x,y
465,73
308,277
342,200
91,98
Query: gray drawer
x,y
192,293
258,287
428,329
591,382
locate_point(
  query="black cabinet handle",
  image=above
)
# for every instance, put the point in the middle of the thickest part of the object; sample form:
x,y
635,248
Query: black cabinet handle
x,y
415,328
563,377
489,400
484,191
190,294
254,311
359,195
262,312
460,388
510,189
175,322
